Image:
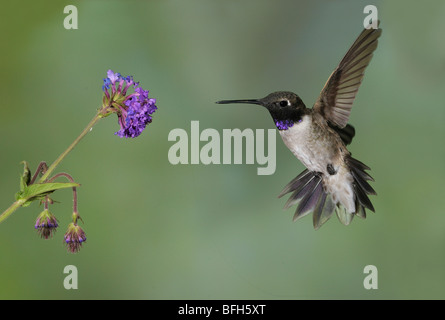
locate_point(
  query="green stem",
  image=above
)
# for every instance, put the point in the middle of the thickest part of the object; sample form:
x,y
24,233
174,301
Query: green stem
x,y
53,166
11,209
17,204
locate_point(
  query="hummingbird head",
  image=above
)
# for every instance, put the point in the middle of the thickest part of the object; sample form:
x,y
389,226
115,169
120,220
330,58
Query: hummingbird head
x,y
286,108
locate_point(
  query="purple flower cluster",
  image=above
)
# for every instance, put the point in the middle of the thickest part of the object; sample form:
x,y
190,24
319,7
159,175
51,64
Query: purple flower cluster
x,y
138,115
46,224
134,110
74,237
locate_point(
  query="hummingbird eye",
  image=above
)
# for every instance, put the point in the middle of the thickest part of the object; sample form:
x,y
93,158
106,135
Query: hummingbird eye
x,y
284,103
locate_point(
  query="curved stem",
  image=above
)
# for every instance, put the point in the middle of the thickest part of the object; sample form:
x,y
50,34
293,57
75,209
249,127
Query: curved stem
x,y
40,169
45,203
66,175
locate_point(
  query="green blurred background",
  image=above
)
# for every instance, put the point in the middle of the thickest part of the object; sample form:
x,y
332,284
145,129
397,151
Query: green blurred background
x,y
158,231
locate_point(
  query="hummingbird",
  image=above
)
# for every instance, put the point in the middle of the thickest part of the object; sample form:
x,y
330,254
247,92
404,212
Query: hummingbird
x,y
333,180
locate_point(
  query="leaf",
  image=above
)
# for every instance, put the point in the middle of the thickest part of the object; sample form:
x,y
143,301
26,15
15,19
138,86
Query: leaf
x,y
26,177
26,204
39,190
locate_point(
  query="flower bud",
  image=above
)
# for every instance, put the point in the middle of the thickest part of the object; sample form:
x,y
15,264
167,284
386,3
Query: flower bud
x,y
46,224
74,237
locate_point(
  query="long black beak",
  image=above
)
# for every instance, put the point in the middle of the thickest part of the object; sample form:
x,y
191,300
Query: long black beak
x,y
249,101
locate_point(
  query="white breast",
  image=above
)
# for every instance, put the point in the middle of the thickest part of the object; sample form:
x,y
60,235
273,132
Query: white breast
x,y
299,139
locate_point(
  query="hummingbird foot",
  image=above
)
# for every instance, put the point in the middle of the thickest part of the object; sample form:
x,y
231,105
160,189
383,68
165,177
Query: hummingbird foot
x,y
331,170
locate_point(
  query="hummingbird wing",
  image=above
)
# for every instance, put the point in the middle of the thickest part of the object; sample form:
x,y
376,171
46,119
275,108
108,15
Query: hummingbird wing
x,y
336,98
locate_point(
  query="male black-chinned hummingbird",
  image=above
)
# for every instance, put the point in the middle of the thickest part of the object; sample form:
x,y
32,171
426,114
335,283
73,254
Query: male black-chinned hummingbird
x,y
333,180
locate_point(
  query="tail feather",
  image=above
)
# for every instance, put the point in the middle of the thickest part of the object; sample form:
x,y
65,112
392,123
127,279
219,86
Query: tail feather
x,y
310,199
358,164
363,198
343,215
297,182
362,182
361,186
300,188
360,209
323,210
360,172
310,194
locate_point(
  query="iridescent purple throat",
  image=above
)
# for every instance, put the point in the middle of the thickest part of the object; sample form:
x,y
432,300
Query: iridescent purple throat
x,y
284,124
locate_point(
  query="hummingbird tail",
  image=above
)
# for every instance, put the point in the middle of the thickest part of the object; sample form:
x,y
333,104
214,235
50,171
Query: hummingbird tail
x,y
308,191
361,186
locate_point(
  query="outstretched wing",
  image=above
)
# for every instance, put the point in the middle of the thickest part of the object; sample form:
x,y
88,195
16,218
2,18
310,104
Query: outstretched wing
x,y
338,94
